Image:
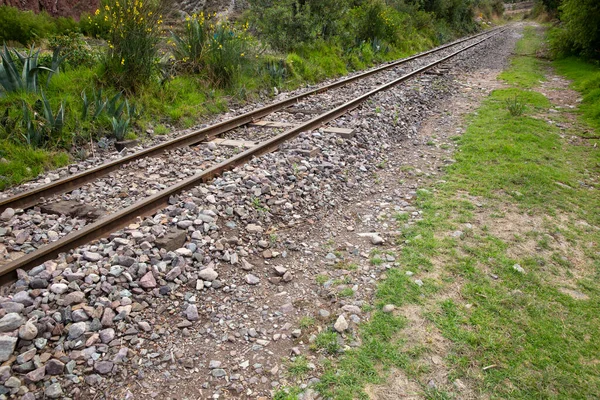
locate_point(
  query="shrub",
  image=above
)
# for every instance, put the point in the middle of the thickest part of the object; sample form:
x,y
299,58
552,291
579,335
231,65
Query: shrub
x,y
580,31
134,34
190,47
95,25
227,53
22,26
374,20
19,72
27,27
77,51
221,49
41,126
285,24
515,106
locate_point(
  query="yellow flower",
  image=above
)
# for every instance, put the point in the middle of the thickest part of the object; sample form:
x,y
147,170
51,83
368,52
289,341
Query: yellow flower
x,y
242,55
122,61
97,12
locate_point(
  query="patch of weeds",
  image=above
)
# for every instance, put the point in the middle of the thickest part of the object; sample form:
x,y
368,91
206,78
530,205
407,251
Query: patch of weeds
x,y
525,68
160,129
347,292
515,106
327,341
402,216
258,205
298,367
306,322
345,265
290,393
321,279
436,394
345,378
376,260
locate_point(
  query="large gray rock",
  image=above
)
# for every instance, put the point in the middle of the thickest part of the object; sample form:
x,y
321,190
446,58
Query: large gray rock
x,y
148,281
10,322
24,298
208,274
191,313
7,347
173,240
103,367
28,331
36,375
341,324
76,330
54,391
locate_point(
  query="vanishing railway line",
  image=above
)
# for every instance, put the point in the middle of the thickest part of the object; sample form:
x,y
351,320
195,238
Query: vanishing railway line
x,y
257,138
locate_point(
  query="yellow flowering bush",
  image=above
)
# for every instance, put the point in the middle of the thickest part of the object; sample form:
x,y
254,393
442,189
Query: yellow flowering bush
x,y
221,49
135,28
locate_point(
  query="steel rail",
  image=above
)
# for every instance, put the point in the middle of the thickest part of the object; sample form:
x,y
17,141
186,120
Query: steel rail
x,y
159,200
31,197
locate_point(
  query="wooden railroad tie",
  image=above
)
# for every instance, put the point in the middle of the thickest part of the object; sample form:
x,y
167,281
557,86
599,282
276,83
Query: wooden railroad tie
x,y
343,132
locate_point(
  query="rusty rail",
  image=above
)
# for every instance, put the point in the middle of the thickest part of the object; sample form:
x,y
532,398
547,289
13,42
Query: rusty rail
x,y
147,206
31,197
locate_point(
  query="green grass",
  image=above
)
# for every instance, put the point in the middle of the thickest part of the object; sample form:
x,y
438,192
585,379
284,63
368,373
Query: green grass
x,y
306,322
533,340
525,71
298,367
586,79
20,163
327,341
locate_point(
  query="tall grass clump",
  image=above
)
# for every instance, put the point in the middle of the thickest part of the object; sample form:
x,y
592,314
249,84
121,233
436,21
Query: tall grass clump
x,y
189,48
286,24
135,28
579,30
220,49
26,27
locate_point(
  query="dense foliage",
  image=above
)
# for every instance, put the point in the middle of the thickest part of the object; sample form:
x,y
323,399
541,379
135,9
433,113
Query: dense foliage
x,y
123,74
579,32
25,27
135,30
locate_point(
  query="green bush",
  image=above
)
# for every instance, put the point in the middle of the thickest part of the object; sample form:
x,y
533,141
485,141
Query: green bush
x,y
227,53
76,50
219,48
374,20
96,25
19,72
579,32
23,27
133,38
190,47
26,27
285,24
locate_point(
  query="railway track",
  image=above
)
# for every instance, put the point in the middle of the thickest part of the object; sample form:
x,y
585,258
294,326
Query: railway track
x,y
262,142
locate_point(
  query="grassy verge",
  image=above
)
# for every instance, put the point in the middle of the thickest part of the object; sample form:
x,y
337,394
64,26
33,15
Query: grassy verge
x,y
513,300
179,102
586,80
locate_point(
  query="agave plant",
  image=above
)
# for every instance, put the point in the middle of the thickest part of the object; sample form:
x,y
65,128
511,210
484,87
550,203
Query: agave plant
x,y
99,104
11,80
56,122
120,127
40,124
